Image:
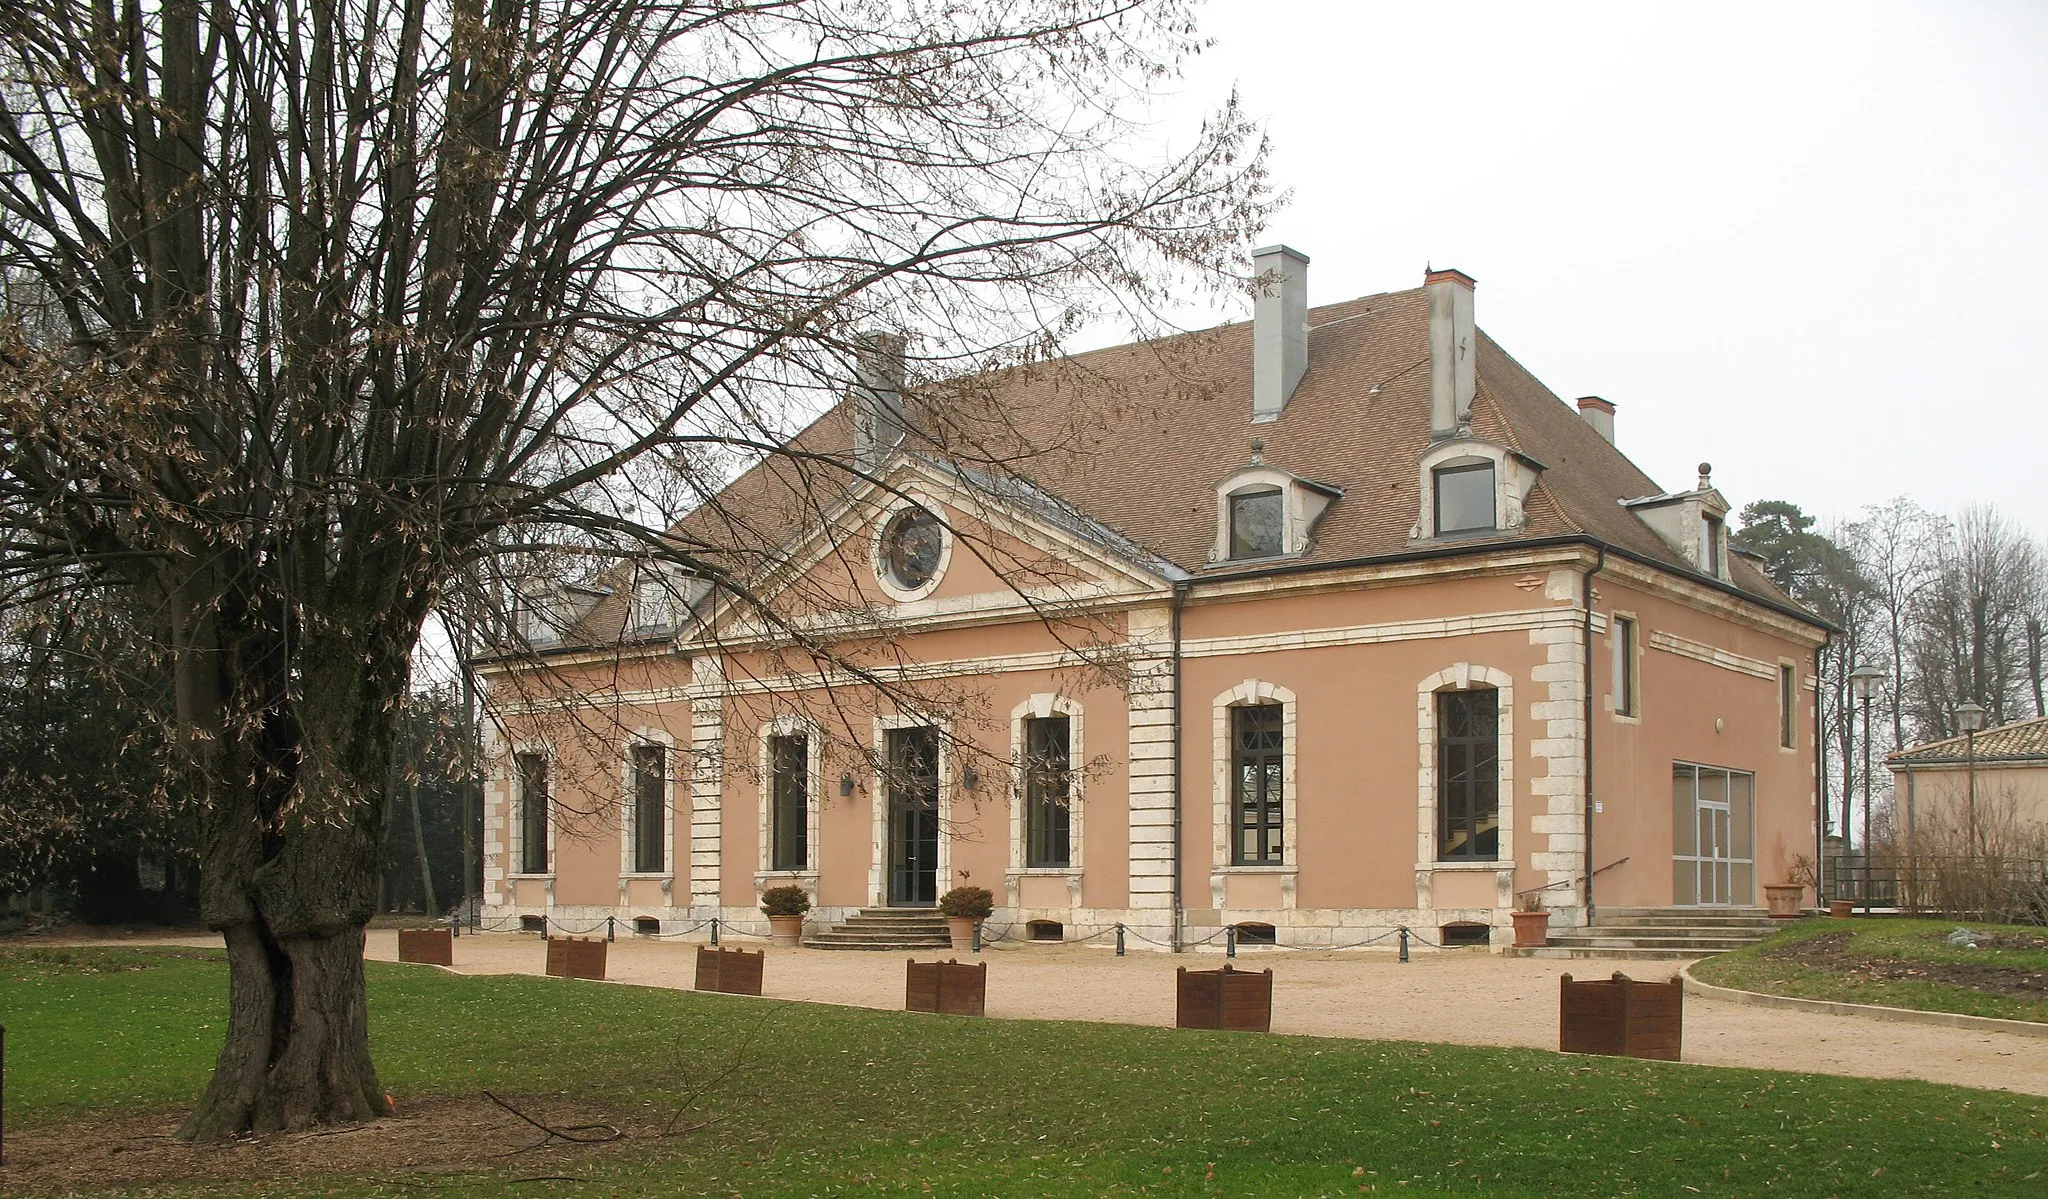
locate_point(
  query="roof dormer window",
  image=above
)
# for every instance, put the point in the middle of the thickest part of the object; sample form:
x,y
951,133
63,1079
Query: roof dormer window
x,y
1468,486
1257,523
1262,512
1465,498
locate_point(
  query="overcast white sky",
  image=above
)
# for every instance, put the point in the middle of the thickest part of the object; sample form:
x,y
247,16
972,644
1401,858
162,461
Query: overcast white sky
x,y
1802,241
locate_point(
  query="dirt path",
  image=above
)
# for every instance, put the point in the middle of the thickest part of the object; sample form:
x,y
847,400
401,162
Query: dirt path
x,y
1467,998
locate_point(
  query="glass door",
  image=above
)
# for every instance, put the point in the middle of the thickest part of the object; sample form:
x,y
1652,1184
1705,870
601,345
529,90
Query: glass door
x,y
1712,811
913,786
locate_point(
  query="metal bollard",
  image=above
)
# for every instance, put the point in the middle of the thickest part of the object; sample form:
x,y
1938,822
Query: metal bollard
x,y
611,928
1230,940
714,932
1119,939
454,925
977,936
1404,942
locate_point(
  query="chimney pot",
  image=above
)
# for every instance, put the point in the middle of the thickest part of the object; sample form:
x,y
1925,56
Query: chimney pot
x,y
1452,334
1279,328
1598,413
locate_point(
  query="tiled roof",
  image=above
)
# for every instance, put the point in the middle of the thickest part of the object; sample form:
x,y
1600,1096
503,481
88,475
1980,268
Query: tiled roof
x,y
2023,740
1136,437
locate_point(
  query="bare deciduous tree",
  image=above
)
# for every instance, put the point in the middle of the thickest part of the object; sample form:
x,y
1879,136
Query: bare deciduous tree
x,y
352,295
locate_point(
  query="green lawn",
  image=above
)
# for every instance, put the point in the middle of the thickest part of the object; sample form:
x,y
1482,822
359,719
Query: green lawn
x,y
837,1101
1917,945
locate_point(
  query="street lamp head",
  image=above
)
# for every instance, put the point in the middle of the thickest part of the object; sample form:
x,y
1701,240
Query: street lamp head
x,y
1970,716
1861,679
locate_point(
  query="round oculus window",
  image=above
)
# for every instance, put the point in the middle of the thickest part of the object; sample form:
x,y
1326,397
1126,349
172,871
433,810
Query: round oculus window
x,y
911,547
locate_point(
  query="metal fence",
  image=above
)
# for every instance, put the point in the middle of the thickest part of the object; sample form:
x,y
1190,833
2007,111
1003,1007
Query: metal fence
x,y
1984,887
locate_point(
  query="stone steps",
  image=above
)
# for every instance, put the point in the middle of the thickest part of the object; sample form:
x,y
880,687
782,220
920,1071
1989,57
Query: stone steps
x,y
1659,934
885,929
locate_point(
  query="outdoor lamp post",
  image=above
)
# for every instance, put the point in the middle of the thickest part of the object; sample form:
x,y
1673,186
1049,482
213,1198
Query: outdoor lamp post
x,y
1970,718
1861,681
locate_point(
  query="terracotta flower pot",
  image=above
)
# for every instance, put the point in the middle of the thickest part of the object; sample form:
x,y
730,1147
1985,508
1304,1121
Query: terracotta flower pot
x,y
1532,930
961,929
1841,909
786,932
1784,899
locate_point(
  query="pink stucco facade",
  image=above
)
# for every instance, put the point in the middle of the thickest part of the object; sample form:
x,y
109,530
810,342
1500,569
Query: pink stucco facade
x,y
1354,658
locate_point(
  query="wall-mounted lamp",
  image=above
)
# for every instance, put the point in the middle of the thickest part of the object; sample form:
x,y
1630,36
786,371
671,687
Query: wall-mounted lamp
x,y
970,778
846,786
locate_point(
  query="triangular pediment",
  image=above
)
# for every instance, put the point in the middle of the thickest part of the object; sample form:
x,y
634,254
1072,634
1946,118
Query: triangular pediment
x,y
1005,551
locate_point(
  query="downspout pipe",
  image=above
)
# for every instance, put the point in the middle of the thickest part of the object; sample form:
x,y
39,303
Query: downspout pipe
x,y
1586,597
1820,788
1180,599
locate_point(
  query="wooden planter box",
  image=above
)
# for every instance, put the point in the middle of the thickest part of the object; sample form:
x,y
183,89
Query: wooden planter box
x,y
574,957
947,987
1238,1000
733,971
428,946
1621,1017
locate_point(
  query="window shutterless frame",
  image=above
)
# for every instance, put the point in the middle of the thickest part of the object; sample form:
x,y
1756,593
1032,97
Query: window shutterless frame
x,y
1627,687
650,808
1464,498
530,776
1788,705
1468,775
789,807
1258,741
1257,524
1047,814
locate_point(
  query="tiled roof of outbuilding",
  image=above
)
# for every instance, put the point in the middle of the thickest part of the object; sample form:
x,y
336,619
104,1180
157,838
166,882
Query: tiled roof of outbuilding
x,y
2020,741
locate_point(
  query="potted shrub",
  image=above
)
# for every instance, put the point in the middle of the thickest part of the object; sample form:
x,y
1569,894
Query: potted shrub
x,y
965,907
1786,898
785,907
1532,922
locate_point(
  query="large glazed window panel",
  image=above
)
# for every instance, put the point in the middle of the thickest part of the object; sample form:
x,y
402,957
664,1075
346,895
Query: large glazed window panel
x,y
1713,842
1256,524
789,811
650,808
1468,775
1258,737
530,775
1464,498
1048,811
1626,702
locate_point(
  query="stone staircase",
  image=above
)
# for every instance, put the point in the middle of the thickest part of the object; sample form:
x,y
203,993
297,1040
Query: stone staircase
x,y
1659,934
894,929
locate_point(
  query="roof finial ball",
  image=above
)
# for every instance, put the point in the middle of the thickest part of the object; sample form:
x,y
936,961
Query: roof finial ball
x,y
1706,475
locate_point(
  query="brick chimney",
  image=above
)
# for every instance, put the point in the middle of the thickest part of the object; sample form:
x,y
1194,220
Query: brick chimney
x,y
1599,413
878,422
1279,328
1452,338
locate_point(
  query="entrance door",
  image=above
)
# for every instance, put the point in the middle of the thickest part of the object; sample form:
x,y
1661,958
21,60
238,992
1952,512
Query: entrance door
x,y
913,786
1712,815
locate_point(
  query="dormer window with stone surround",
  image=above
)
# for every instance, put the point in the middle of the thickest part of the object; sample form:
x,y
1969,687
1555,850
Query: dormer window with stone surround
x,y
1464,498
1470,487
1693,523
1266,513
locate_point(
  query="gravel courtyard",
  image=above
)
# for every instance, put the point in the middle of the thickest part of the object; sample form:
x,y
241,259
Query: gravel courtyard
x,y
1467,997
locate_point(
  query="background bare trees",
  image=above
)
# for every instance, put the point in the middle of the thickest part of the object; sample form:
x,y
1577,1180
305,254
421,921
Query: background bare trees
x,y
343,301
1949,608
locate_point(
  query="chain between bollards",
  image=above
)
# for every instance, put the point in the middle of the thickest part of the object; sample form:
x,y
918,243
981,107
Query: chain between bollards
x,y
1119,938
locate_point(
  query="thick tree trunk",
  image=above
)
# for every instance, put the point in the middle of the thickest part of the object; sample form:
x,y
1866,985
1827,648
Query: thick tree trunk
x,y
298,1041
